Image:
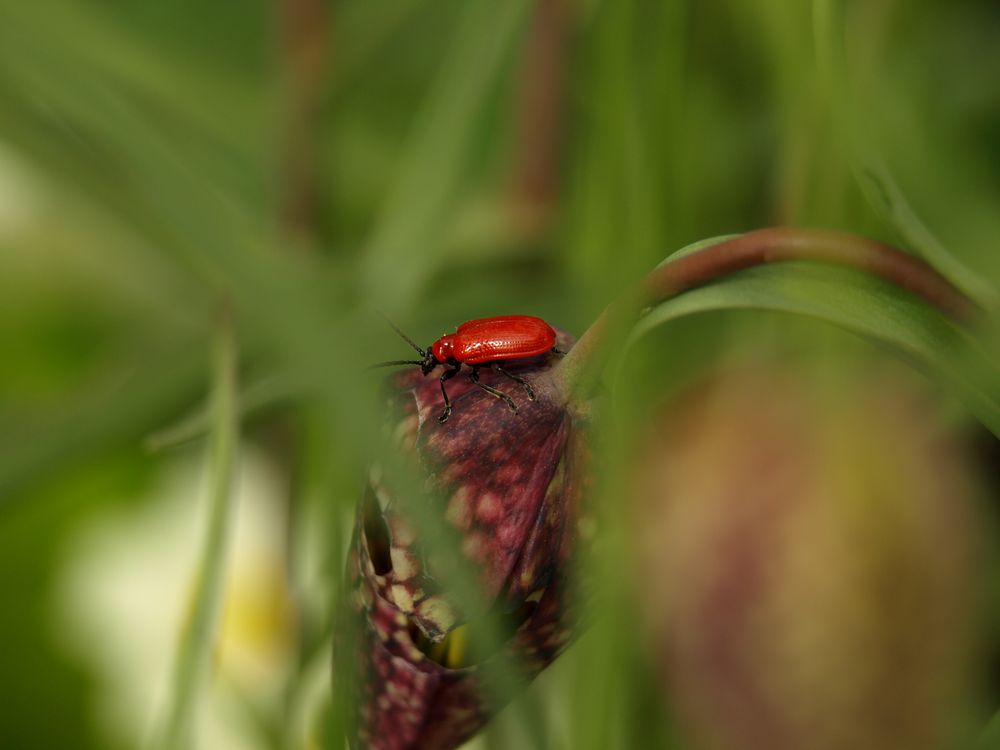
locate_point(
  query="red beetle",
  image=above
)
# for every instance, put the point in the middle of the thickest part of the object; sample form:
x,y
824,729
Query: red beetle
x,y
484,342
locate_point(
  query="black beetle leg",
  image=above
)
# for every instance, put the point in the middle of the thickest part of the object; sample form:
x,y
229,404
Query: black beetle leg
x,y
447,375
474,376
517,379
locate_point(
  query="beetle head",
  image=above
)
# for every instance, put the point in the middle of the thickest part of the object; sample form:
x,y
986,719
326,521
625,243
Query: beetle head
x,y
429,361
442,350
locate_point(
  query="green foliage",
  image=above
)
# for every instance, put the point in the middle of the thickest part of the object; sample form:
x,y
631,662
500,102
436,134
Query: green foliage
x,y
144,153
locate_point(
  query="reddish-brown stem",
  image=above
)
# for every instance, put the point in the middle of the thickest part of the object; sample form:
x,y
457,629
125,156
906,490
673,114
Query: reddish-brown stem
x,y
539,111
305,43
756,248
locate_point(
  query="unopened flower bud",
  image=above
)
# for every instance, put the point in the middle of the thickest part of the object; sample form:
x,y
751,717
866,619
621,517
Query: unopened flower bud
x,y
506,485
809,559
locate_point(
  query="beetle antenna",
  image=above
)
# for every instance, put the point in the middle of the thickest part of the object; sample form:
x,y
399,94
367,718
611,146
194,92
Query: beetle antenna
x,y
403,336
395,362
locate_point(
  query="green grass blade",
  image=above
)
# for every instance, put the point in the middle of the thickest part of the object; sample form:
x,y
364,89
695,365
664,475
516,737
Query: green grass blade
x,y
403,251
119,408
198,638
858,303
871,172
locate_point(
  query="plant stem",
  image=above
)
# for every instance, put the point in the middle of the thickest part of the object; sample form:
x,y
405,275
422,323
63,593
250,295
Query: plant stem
x,y
304,53
198,638
540,105
582,364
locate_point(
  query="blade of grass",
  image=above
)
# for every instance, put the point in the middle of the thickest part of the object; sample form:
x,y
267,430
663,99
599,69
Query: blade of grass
x,y
198,639
266,393
96,44
867,306
614,196
403,252
872,174
122,406
357,52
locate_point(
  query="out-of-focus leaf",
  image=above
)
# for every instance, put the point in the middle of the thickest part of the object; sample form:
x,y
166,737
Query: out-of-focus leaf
x,y
119,408
990,737
197,643
401,253
871,171
859,303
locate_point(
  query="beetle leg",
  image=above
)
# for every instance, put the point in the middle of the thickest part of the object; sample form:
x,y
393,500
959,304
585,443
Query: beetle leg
x,y
474,376
447,375
517,379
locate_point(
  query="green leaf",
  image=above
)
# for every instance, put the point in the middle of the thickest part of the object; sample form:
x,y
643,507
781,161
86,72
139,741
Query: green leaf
x,y
859,303
852,117
194,653
991,734
401,253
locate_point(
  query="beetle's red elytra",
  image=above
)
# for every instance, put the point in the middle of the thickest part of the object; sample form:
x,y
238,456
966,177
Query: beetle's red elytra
x,y
480,343
491,339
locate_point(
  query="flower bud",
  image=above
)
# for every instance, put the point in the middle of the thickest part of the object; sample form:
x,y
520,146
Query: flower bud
x,y
809,563
507,486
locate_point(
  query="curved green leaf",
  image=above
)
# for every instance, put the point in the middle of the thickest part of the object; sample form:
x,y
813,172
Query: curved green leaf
x,y
859,303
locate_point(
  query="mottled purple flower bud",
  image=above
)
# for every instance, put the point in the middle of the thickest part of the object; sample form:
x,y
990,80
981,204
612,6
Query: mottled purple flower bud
x,y
809,558
507,485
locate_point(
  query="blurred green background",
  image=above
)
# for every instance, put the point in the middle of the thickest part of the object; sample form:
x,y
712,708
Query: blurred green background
x,y
306,163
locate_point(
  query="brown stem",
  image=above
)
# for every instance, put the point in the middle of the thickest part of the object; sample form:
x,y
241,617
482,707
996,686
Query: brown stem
x,y
756,248
539,112
305,42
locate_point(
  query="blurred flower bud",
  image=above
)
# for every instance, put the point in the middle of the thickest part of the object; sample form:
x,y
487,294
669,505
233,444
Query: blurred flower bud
x,y
507,486
808,554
